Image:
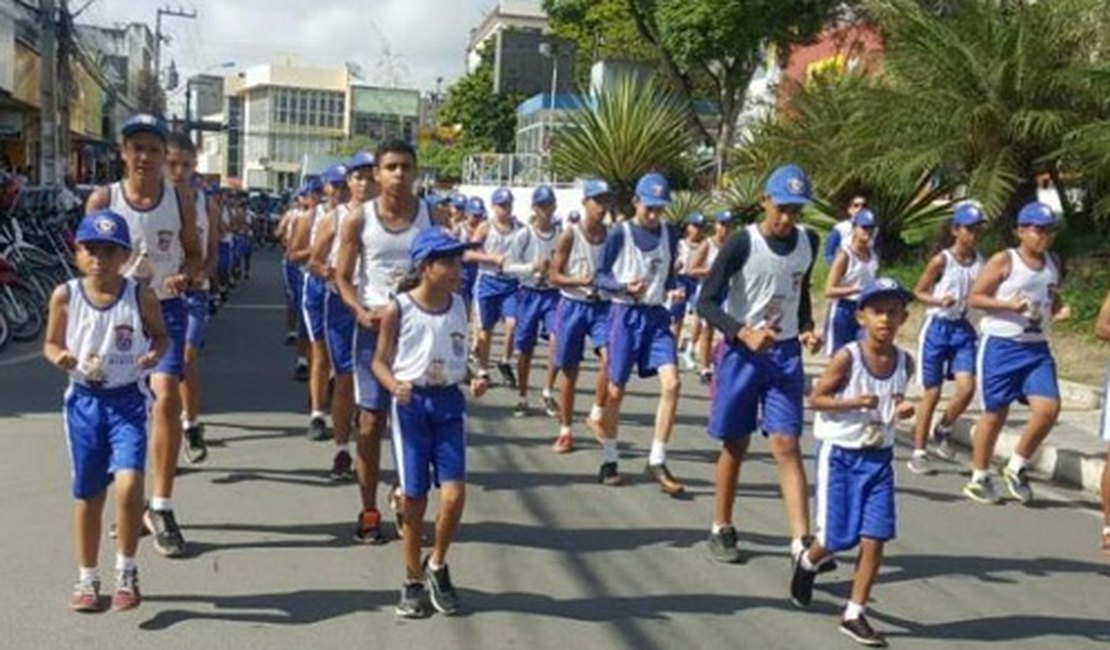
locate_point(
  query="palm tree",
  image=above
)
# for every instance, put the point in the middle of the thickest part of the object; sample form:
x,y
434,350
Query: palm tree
x,y
685,203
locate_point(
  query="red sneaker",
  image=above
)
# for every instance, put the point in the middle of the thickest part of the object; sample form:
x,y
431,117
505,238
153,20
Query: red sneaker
x,y
563,444
127,594
86,597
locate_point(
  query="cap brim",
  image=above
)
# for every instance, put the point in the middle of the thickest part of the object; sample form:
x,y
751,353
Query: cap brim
x,y
904,295
94,239
143,128
1038,222
790,199
654,202
454,250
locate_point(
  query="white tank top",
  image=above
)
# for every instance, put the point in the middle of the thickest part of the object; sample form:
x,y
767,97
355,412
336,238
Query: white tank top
x,y
385,259
156,250
431,348
652,267
858,272
862,428
582,262
955,281
682,257
108,342
1038,287
497,243
225,219
532,246
845,229
767,291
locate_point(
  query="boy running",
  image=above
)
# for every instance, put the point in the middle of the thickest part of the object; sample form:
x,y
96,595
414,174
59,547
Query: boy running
x,y
497,291
855,265
680,309
700,263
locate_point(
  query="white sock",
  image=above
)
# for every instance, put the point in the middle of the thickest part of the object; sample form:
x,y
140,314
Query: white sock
x,y
547,393
506,360
979,475
433,566
564,430
717,527
1017,463
658,454
343,446
1106,529
88,574
188,424
301,361
161,503
125,563
807,563
944,429
596,412
919,453
609,452
317,414
797,546
853,611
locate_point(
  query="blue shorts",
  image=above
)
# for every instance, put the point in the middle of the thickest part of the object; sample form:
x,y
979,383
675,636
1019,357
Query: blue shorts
x,y
945,348
339,329
750,387
243,246
469,281
690,286
175,313
312,306
574,321
429,439
369,394
492,307
223,261
841,326
535,308
855,496
197,304
292,280
106,431
1011,370
639,335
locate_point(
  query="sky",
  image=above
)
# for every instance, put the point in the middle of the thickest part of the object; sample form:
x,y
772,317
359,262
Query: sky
x,y
426,38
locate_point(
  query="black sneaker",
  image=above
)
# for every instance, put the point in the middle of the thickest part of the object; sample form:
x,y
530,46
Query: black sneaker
x,y
705,375
801,584
508,377
551,406
608,475
196,450
723,546
168,539
318,429
412,603
522,410
440,590
341,466
290,338
862,632
300,373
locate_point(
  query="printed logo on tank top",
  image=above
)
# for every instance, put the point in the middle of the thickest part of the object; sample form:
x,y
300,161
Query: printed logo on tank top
x,y
165,240
458,343
125,338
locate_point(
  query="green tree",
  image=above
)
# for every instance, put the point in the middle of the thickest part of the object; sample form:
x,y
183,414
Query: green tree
x,y
602,29
348,147
488,120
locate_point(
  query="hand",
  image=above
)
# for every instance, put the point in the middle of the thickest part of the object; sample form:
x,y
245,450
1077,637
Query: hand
x,y
176,284
479,386
1063,313
329,274
677,295
867,401
369,319
1019,304
500,262
636,288
403,393
947,300
66,360
148,360
905,410
811,341
758,340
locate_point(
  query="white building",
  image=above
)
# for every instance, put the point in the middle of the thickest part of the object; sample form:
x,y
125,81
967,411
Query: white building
x,y
524,15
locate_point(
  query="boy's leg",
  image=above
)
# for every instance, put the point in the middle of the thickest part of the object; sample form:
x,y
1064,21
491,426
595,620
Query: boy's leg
x,y
372,401
867,569
452,500
129,511
87,514
786,449
925,408
728,475
1042,417
566,396
412,528
961,399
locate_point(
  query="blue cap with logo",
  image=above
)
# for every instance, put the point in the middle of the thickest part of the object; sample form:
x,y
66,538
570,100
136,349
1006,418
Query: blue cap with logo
x,y
1036,214
594,188
360,160
104,226
543,195
864,218
475,206
653,190
312,185
336,175
145,123
695,219
876,288
435,243
724,217
458,200
574,216
967,213
788,185
501,196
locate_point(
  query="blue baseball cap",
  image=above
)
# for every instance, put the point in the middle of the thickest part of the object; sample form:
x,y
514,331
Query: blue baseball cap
x,y
336,175
967,214
543,195
864,219
724,217
574,216
695,219
458,200
475,206
882,288
435,243
360,160
788,185
501,196
104,226
594,188
312,185
214,189
145,123
653,190
1036,214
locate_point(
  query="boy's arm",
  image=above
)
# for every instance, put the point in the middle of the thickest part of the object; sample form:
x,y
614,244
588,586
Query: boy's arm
x,y
54,345
994,272
318,256
1102,327
479,255
606,280
832,245
192,268
297,252
923,290
100,199
151,312
822,397
559,264
382,366
697,267
516,264
350,245
836,274
213,243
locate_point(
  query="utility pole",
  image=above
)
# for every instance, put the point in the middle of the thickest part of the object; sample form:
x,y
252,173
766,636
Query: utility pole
x,y
159,38
48,116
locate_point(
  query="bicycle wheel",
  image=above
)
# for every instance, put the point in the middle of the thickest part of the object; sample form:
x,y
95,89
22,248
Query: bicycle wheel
x,y
23,311
5,332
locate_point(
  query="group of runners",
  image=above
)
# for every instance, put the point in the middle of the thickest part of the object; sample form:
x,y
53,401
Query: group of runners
x,y
394,299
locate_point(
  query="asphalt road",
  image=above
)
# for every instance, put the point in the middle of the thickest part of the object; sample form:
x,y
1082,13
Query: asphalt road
x,y
546,557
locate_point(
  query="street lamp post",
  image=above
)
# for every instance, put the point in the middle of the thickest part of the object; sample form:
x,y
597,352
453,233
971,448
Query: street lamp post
x,y
548,126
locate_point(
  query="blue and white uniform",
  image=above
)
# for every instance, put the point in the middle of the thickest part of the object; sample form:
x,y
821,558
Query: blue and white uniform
x,y
841,326
947,343
582,311
196,300
537,300
1014,358
225,247
339,322
429,434
291,273
855,473
639,328
840,238
383,264
497,291
470,269
687,283
764,284
157,254
106,406
315,289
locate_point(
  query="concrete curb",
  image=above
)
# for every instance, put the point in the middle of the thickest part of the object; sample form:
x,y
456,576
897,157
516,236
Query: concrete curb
x,y
1082,396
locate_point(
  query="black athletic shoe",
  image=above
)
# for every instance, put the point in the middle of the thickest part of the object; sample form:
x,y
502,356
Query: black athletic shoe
x,y
801,585
862,632
412,603
300,373
507,374
608,475
196,450
168,539
318,429
440,590
828,565
341,466
723,545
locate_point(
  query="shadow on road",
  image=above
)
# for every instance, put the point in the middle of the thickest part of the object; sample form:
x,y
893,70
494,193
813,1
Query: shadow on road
x,y
303,607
